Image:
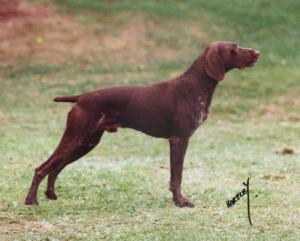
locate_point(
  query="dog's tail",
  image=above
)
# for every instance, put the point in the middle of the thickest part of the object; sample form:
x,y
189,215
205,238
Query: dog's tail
x,y
71,99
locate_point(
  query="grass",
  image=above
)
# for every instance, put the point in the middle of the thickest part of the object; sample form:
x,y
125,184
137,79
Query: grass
x,y
120,190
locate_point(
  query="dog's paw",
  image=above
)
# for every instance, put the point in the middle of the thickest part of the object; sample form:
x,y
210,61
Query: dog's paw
x,y
31,201
183,202
51,195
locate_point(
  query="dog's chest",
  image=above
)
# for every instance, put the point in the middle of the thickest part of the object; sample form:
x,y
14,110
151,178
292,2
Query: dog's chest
x,y
201,110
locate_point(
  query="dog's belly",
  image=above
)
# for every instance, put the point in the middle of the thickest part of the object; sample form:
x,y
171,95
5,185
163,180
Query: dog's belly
x,y
156,125
153,127
153,124
153,132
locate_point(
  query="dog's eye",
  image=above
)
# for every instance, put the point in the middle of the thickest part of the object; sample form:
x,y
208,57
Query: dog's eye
x,y
233,50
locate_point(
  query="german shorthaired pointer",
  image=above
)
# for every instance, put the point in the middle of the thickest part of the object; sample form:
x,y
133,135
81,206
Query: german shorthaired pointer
x,y
171,109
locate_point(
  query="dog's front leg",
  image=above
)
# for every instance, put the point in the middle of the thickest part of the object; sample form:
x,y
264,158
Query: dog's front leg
x,y
178,147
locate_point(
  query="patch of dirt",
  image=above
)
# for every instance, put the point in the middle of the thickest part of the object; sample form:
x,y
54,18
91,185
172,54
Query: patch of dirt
x,y
285,108
2,118
274,176
9,9
26,225
18,34
286,150
38,33
162,169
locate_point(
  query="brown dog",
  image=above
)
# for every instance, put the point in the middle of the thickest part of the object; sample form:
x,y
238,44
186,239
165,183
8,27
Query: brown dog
x,y
171,109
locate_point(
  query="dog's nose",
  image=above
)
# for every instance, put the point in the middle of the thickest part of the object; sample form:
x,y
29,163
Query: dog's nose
x,y
256,53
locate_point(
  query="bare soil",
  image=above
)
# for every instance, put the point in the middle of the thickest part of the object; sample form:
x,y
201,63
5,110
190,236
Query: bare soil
x,y
37,32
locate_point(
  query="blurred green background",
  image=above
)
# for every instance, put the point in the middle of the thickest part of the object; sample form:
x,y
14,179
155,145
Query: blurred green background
x,y
120,190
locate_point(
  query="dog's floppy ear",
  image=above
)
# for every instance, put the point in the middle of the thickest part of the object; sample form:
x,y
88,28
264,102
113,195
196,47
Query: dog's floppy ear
x,y
214,66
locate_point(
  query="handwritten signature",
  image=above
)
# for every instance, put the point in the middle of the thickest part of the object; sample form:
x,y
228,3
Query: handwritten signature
x,y
245,191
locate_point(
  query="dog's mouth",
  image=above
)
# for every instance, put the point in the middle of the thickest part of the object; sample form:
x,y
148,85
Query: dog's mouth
x,y
251,64
255,56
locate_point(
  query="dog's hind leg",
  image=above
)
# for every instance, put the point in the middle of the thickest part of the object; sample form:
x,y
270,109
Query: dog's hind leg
x,y
81,151
81,126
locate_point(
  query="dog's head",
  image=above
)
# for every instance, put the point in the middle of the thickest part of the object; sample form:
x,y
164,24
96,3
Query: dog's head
x,y
222,56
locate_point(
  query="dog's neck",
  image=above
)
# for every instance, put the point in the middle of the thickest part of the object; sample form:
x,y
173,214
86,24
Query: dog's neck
x,y
199,83
199,89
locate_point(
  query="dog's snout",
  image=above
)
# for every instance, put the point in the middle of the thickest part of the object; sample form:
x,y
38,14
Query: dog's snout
x,y
256,53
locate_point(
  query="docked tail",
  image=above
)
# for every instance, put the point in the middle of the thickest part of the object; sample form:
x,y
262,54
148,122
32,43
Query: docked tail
x,y
71,99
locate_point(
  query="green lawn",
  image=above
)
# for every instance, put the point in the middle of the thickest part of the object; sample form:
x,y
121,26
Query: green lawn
x,y
120,190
